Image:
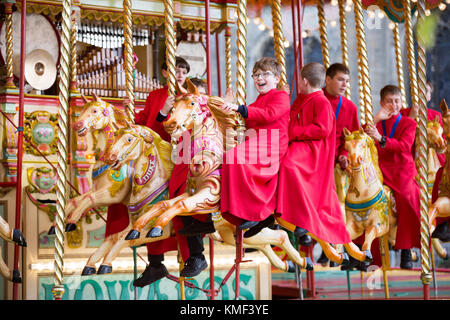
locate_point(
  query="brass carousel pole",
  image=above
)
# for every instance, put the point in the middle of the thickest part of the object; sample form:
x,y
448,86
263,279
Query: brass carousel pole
x,y
323,33
366,108
423,163
73,54
279,39
228,57
63,151
398,59
410,52
241,75
128,57
9,46
344,45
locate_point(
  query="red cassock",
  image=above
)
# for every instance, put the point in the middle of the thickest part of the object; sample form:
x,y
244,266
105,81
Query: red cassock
x,y
306,191
347,117
399,171
250,170
431,115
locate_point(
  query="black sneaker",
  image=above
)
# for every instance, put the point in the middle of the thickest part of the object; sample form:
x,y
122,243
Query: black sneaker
x,y
193,266
196,228
406,259
151,274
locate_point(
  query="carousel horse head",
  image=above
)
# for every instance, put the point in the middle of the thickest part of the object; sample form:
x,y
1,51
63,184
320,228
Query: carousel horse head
x,y
435,138
132,142
361,149
445,118
96,115
191,110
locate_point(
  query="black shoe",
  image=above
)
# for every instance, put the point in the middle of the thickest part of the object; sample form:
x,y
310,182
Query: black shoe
x,y
151,274
300,232
305,240
261,225
247,225
196,228
406,259
193,266
19,238
442,232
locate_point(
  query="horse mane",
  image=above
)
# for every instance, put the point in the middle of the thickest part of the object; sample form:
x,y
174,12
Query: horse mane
x,y
121,117
228,121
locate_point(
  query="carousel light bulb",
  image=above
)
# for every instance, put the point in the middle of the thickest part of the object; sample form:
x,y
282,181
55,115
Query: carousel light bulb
x,y
286,44
304,34
448,1
334,3
349,3
262,27
371,14
391,25
348,8
442,6
427,12
380,14
271,33
256,21
333,23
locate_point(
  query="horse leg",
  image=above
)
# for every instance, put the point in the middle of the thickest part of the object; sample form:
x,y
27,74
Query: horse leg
x,y
97,255
280,239
370,235
330,252
5,230
183,206
153,212
4,270
273,258
441,251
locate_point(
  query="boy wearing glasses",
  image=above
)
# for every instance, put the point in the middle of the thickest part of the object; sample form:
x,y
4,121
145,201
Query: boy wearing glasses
x,y
250,170
394,135
306,191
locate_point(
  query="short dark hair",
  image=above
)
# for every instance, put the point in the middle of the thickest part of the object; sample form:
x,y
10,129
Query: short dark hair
x,y
268,64
179,63
335,68
314,72
199,83
389,89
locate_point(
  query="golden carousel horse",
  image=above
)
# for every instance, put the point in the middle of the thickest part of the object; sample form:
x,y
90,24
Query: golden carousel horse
x,y
129,147
210,125
441,207
370,205
14,236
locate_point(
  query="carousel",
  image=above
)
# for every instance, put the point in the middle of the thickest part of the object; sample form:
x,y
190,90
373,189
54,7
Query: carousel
x,y
76,73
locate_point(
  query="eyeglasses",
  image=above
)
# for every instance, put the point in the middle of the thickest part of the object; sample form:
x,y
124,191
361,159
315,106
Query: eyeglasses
x,y
264,75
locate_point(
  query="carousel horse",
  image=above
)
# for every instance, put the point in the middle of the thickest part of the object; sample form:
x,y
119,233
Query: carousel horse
x,y
15,236
130,148
441,207
209,129
370,205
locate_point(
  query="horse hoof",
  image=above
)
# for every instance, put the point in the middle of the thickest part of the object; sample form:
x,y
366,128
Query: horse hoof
x,y
16,278
71,227
345,259
19,238
291,266
87,271
103,269
309,264
369,257
51,230
133,234
154,233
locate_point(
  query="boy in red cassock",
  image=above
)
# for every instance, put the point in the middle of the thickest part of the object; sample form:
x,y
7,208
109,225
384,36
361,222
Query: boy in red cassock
x,y
250,170
394,135
157,108
306,191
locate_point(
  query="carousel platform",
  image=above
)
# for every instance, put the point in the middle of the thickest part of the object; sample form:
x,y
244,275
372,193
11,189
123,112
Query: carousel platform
x,y
334,284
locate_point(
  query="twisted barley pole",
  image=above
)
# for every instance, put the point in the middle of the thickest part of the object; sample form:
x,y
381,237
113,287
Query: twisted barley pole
x,y
73,54
241,53
170,46
398,59
63,151
411,52
323,33
228,57
128,56
344,45
278,39
363,64
9,46
423,163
